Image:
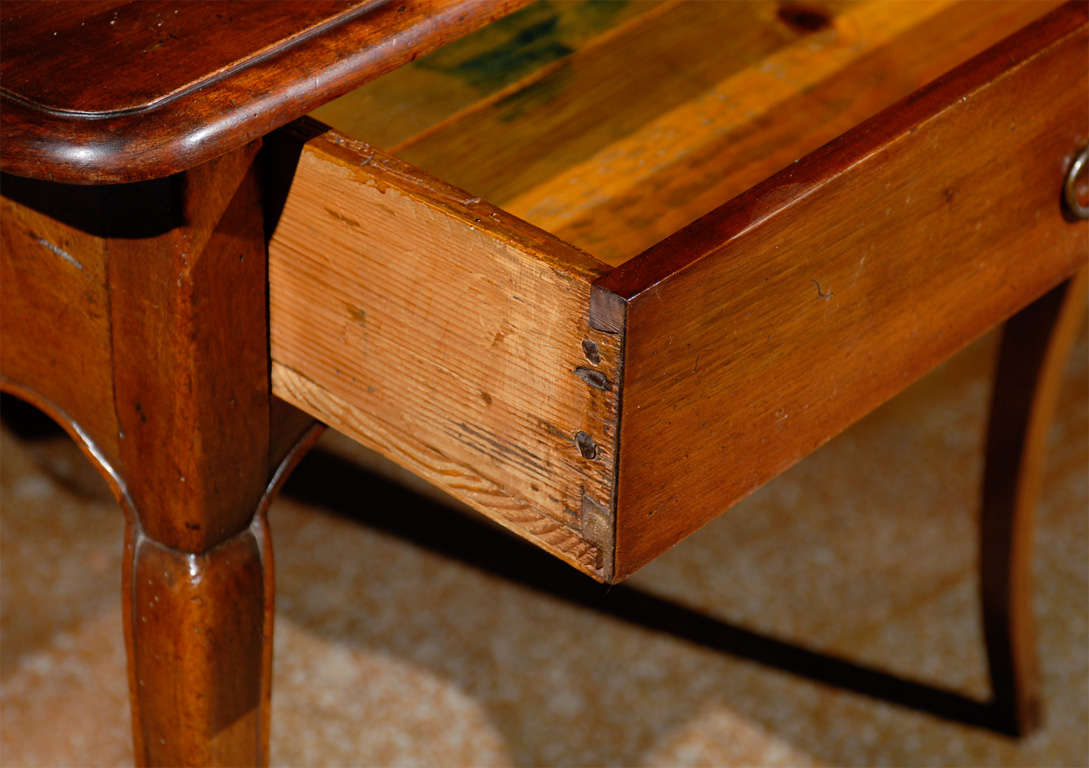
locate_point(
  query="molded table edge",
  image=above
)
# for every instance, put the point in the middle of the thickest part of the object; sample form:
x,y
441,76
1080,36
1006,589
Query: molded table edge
x,y
234,109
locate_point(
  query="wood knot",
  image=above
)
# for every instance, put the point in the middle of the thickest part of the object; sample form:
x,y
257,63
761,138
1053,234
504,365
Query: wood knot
x,y
802,18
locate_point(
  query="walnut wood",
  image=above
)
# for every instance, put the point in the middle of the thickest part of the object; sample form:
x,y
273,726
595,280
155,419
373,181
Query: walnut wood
x,y
1035,345
161,103
790,312
653,122
488,355
450,337
143,52
137,317
198,635
54,308
192,435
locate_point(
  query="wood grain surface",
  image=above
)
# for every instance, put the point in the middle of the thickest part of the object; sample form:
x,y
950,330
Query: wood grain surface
x,y
487,355
841,62
616,139
136,316
768,326
55,309
125,91
484,65
199,631
450,337
138,54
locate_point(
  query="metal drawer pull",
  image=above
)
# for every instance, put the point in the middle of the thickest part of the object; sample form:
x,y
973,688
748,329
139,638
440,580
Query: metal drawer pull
x,y
1070,192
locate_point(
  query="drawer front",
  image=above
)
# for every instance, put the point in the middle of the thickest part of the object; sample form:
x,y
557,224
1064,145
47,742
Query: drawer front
x,y
767,327
450,337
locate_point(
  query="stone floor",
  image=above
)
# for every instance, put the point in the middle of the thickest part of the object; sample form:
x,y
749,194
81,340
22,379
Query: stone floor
x,y
410,633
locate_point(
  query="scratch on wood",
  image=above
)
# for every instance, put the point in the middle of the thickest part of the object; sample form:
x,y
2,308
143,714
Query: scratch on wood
x,y
820,292
485,441
60,252
599,527
554,431
357,314
343,219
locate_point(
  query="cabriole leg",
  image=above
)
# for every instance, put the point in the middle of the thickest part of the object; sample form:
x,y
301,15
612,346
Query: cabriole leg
x,y
200,652
136,315
1032,356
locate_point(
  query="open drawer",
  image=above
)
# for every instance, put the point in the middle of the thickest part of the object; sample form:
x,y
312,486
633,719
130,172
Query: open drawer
x,y
524,292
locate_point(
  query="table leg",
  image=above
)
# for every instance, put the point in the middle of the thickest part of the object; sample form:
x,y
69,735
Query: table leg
x,y
199,637
136,316
1033,353
200,632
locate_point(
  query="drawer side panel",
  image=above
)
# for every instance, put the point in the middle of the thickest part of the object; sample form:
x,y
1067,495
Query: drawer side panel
x,y
450,337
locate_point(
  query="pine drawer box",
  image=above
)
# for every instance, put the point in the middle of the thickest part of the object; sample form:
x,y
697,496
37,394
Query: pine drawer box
x,y
527,308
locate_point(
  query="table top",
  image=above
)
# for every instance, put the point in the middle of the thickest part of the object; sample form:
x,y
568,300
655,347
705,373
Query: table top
x,y
116,91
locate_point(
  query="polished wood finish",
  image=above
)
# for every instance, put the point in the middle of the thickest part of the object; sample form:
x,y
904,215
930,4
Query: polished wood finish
x,y
198,627
1035,345
54,306
164,381
193,436
790,312
169,103
452,338
604,413
149,55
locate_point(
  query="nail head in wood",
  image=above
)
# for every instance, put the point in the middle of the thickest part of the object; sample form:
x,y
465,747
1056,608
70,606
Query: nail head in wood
x,y
586,445
595,379
590,350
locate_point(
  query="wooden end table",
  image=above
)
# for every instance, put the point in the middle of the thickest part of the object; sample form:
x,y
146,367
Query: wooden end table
x,y
186,285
